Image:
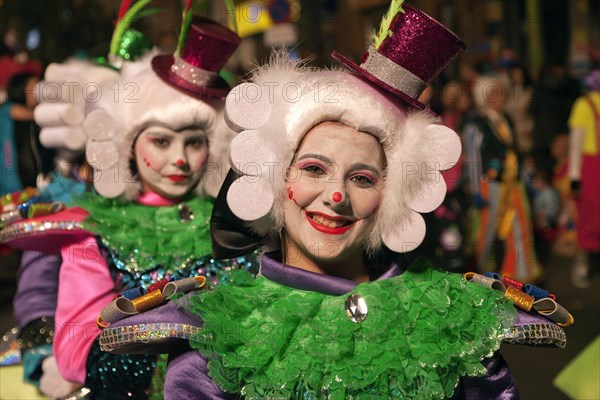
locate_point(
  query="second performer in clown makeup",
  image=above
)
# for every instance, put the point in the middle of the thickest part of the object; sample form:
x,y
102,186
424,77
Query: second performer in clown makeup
x,y
170,163
148,222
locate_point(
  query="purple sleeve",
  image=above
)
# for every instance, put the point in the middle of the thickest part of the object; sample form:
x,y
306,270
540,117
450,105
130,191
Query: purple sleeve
x,y
187,378
37,287
497,384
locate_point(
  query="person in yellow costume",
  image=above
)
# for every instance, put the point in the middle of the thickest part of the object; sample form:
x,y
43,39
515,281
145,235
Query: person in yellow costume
x,y
584,173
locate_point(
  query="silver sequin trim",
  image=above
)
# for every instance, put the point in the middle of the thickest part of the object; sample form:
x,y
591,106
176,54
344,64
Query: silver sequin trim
x,y
537,335
114,338
196,76
393,74
22,229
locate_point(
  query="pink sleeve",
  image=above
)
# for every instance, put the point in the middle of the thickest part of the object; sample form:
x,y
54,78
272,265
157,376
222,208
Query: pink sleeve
x,y
85,287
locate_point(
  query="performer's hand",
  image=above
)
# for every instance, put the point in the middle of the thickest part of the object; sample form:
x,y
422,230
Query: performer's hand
x,y
51,383
62,96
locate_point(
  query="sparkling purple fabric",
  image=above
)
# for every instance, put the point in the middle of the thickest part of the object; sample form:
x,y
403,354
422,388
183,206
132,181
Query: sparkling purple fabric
x,y
420,44
37,287
209,45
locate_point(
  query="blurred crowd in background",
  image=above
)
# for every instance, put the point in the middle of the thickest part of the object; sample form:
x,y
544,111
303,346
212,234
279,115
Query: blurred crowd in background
x,y
532,54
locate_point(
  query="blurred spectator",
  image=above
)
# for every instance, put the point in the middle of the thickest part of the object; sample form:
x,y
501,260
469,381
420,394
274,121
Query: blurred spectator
x,y
584,167
546,206
468,73
517,106
11,65
456,101
528,170
552,98
502,227
546,201
565,242
445,239
508,59
33,159
10,179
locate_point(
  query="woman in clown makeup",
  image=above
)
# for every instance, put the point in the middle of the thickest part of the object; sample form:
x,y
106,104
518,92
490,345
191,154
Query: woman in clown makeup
x,y
334,192
159,157
331,185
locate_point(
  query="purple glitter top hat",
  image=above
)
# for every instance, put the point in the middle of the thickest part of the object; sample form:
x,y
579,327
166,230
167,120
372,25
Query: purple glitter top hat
x,y
195,70
418,49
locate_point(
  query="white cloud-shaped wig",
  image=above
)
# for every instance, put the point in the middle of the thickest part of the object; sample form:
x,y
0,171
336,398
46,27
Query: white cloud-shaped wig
x,y
284,100
136,101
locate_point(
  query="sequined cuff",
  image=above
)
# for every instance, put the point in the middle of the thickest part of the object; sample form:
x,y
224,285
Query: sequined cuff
x,y
117,337
118,376
36,333
536,335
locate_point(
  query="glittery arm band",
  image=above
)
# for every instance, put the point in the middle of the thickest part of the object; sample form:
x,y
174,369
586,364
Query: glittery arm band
x,y
537,335
150,333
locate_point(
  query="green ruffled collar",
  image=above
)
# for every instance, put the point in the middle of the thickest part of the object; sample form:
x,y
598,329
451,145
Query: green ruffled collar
x,y
425,330
143,237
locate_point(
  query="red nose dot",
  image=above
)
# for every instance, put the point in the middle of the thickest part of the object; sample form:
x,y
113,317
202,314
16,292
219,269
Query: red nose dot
x,y
337,197
180,163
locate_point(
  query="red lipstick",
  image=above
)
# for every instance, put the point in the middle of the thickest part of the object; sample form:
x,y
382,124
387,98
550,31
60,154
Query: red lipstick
x,y
177,178
327,229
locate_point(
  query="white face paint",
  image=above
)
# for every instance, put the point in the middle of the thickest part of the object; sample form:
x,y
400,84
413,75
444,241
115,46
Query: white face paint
x,y
334,188
170,163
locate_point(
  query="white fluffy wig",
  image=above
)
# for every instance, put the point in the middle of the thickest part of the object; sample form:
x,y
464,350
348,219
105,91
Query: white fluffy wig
x,y
136,101
284,100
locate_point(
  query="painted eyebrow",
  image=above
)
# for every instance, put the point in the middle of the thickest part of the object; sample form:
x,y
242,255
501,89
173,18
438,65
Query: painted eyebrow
x,y
354,167
359,166
169,135
317,156
162,135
